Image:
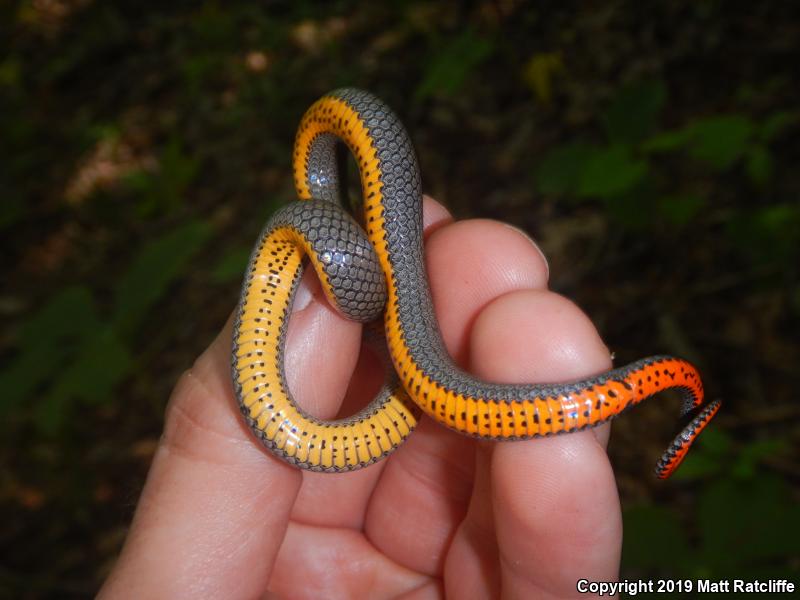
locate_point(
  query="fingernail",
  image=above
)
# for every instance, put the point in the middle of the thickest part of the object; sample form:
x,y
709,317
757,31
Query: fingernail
x,y
535,245
302,296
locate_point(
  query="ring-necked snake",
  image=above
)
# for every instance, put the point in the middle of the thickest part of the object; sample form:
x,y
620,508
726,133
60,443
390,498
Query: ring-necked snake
x,y
379,270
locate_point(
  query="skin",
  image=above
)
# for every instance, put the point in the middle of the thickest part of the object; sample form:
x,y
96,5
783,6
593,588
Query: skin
x,y
444,516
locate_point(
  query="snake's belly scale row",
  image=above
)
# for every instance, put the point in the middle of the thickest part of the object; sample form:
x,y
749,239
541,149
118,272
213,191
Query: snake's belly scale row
x,y
380,271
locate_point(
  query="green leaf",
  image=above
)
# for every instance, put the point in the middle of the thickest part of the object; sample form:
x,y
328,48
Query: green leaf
x,y
769,233
103,361
47,341
759,164
69,313
561,168
739,523
780,220
710,454
720,140
177,169
680,210
452,64
611,171
752,453
697,465
162,191
99,366
654,539
667,141
777,123
157,264
633,208
716,442
634,112
232,265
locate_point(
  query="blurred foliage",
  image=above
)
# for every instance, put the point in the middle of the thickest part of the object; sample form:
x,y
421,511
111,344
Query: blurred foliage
x,y
86,353
650,149
457,58
738,513
624,171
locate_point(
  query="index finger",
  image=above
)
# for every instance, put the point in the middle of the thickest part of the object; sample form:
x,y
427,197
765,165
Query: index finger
x,y
555,505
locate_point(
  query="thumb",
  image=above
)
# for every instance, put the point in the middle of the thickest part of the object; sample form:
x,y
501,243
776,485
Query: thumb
x,y
216,505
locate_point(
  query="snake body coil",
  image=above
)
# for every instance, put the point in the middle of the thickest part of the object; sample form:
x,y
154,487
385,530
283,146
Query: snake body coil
x,y
382,271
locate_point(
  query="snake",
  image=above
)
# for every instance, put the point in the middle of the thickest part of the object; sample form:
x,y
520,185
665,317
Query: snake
x,y
371,269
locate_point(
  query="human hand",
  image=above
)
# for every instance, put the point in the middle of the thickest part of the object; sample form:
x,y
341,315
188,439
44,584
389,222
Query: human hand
x,y
220,517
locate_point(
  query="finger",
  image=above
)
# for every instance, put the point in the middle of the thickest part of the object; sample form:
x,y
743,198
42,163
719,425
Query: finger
x,y
469,264
434,215
318,378
556,509
214,494
352,490
471,568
